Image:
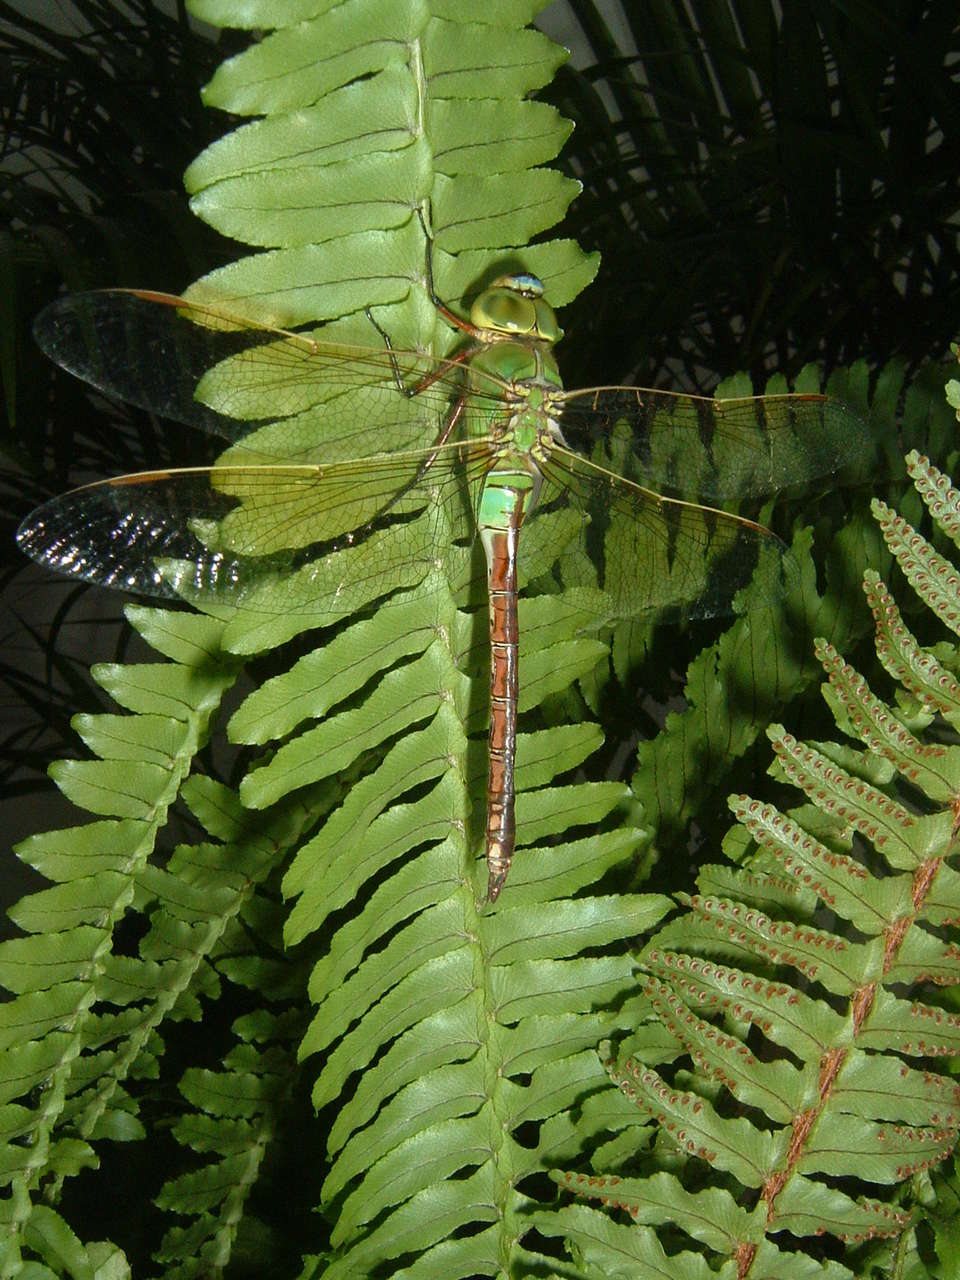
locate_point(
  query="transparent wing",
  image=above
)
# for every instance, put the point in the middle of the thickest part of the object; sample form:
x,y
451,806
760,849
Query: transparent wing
x,y
211,369
337,488
705,450
625,551
285,397
280,539
330,540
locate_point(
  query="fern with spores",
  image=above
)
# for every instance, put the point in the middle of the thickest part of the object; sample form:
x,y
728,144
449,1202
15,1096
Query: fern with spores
x,y
785,1081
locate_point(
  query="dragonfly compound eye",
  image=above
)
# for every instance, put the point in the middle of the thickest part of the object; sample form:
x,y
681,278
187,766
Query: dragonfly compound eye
x,y
514,306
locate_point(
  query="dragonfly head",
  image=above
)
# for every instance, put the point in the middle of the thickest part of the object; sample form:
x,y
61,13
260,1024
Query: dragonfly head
x,y
514,306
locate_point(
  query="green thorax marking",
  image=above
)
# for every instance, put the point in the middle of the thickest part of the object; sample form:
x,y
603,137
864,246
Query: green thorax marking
x,y
518,329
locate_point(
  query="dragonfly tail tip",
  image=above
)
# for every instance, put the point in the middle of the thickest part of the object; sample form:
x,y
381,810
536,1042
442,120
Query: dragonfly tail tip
x,y
495,884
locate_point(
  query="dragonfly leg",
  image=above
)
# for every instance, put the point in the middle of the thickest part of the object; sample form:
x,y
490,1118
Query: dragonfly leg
x,y
456,322
451,317
454,362
453,417
385,337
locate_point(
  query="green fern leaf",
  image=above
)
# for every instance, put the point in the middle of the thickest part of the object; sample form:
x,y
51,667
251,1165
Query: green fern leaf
x,y
604,1248
378,734
62,966
783,983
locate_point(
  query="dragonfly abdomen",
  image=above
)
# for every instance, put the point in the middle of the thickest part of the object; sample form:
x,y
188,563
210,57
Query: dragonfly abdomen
x,y
507,496
504,691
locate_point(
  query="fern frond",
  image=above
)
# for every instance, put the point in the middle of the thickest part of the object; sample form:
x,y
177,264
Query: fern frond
x,y
443,1030
763,661
240,1110
329,179
784,1064
431,1015
68,1029
384,131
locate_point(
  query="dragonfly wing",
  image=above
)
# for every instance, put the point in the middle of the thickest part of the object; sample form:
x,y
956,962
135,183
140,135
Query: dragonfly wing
x,y
210,369
706,450
633,552
270,539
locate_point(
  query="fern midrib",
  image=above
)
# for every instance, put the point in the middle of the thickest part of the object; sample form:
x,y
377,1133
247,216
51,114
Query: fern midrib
x,y
196,725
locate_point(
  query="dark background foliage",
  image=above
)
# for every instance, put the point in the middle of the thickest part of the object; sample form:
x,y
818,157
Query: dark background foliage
x,y
769,184
765,190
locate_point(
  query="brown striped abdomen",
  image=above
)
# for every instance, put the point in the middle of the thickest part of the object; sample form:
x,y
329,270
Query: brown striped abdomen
x,y
504,688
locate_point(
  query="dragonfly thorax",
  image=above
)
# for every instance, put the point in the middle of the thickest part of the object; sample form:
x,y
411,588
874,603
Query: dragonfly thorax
x,y
514,306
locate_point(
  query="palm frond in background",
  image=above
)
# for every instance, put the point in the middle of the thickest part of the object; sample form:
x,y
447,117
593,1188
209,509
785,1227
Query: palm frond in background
x,y
769,184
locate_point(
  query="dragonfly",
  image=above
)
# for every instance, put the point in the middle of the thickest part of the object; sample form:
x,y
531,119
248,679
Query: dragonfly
x,y
354,471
